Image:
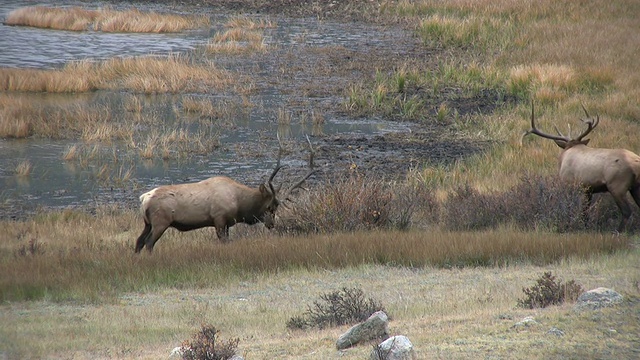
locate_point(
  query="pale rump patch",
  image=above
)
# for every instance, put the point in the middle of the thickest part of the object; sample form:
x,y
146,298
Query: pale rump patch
x,y
144,198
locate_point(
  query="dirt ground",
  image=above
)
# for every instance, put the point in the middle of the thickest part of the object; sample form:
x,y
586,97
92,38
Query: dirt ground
x,y
326,74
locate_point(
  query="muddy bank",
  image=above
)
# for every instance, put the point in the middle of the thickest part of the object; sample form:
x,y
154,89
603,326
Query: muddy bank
x,y
316,77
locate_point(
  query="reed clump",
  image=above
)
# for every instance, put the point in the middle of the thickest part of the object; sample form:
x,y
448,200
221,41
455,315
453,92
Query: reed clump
x,y
106,20
203,107
23,168
237,41
145,74
244,35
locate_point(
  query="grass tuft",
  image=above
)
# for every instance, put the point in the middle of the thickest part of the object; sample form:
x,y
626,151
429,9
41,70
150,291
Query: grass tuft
x,y
106,20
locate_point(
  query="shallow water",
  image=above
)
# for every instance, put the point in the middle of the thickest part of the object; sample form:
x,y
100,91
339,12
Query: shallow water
x,y
54,182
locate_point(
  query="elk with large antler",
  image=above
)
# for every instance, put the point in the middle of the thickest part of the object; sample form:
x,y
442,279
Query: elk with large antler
x,y
218,201
616,171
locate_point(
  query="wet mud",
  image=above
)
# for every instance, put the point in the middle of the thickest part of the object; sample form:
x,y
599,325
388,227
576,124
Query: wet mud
x,y
318,78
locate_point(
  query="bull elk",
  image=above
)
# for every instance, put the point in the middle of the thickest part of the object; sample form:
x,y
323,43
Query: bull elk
x,y
218,202
616,171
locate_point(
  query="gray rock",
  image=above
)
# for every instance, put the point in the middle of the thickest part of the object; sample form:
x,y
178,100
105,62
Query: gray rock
x,y
597,299
527,322
394,348
375,327
555,331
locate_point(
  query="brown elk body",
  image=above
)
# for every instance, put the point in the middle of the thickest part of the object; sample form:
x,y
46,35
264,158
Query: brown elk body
x,y
218,202
616,171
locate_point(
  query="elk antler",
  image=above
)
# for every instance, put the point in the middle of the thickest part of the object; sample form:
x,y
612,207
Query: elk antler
x,y
535,131
591,123
311,171
277,168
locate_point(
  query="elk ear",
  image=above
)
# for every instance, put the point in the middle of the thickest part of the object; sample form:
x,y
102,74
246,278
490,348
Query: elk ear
x,y
585,142
561,143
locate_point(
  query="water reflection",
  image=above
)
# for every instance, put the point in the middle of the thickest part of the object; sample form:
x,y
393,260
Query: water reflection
x,y
247,141
26,47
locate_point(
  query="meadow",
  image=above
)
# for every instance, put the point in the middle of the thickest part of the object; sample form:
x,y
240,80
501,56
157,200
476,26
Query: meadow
x,y
447,252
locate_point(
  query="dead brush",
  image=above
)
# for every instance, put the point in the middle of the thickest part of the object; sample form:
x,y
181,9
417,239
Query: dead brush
x,y
353,202
548,291
206,345
345,306
550,204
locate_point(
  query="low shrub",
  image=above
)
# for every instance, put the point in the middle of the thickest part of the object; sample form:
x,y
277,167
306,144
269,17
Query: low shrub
x,y
205,345
359,203
536,202
346,306
355,202
549,291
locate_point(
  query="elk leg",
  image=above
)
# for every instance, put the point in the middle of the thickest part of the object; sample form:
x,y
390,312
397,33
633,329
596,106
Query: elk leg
x,y
586,206
223,233
143,237
222,229
635,193
153,237
625,209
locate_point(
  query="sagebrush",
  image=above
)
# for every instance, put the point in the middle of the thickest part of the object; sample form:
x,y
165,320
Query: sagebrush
x,y
206,345
549,291
345,306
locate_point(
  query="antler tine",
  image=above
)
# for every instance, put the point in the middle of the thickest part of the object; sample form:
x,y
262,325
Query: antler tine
x,y
591,123
277,168
311,171
560,133
311,153
535,131
585,110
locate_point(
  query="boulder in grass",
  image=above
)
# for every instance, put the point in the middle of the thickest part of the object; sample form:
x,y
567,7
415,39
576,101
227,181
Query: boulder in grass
x,y
375,327
597,299
397,347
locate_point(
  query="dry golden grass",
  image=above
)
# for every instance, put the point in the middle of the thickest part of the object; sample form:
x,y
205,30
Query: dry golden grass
x,y
202,107
237,41
107,20
243,36
88,282
561,56
249,23
73,18
23,168
146,74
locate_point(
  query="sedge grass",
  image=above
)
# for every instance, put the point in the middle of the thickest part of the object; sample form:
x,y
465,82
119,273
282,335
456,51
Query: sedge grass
x,y
237,41
559,55
144,74
23,168
69,238
203,107
81,282
106,20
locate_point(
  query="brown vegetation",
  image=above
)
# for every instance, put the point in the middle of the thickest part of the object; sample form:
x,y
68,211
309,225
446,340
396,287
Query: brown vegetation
x,y
457,271
107,20
146,74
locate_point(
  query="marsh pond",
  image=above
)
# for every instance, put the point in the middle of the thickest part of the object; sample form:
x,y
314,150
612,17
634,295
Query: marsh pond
x,y
298,83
